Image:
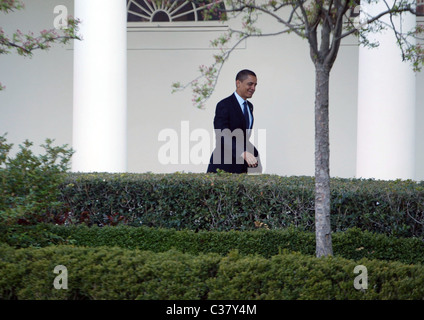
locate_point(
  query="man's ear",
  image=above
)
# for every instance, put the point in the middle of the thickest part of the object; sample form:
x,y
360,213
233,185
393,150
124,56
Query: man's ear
x,y
238,83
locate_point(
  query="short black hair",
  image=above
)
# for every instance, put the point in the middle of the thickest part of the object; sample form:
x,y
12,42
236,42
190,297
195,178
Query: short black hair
x,y
243,74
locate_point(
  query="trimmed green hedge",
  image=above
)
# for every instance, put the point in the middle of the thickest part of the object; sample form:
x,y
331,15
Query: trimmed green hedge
x,y
351,244
116,273
239,202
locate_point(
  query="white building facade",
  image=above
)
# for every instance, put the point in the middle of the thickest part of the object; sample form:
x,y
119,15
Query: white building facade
x,y
110,95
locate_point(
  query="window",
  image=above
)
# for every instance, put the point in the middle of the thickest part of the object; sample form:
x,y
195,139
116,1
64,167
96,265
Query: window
x,y
168,10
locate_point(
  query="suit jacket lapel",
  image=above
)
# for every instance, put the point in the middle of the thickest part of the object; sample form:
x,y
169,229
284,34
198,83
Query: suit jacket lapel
x,y
236,105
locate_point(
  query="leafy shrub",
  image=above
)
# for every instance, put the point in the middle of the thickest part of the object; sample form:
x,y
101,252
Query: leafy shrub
x,y
29,190
350,244
298,277
104,273
29,183
116,273
240,202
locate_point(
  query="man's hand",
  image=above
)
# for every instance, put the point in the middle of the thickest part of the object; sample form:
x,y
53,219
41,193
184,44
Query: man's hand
x,y
250,159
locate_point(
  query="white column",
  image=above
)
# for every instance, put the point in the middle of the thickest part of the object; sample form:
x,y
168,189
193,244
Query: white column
x,y
386,107
100,87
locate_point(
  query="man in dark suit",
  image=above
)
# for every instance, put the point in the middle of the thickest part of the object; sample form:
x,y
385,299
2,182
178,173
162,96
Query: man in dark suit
x,y
233,123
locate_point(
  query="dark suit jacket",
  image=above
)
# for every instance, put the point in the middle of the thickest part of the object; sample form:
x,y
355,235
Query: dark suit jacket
x,y
232,138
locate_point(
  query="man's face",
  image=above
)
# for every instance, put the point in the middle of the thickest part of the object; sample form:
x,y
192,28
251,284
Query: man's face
x,y
247,87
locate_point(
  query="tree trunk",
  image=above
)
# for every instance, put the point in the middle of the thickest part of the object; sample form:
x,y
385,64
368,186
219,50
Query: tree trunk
x,y
324,245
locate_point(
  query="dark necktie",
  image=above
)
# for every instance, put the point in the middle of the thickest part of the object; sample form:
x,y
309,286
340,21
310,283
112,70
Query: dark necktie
x,y
246,115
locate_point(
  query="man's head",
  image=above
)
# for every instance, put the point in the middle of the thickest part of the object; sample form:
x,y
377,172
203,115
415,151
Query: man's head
x,y
246,83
